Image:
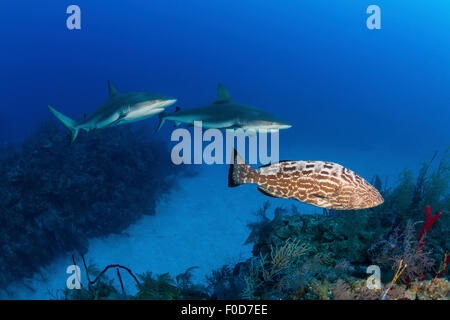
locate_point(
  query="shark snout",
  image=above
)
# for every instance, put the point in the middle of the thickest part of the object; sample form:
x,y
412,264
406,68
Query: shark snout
x,y
285,126
170,102
280,125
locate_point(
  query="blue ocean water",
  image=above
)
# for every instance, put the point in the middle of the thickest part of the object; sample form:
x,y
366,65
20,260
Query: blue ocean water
x,y
376,101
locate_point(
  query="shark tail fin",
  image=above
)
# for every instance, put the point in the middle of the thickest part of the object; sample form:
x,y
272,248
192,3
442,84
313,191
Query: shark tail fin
x,y
240,172
177,123
67,122
162,119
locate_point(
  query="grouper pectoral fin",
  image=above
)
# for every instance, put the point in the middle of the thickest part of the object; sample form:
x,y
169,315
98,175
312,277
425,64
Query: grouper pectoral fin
x,y
327,200
268,193
112,89
320,196
222,94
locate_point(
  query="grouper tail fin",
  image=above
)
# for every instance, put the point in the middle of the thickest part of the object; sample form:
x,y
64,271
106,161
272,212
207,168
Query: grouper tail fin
x,y
240,172
67,122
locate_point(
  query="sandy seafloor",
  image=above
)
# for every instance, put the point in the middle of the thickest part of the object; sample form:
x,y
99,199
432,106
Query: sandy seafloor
x,y
200,223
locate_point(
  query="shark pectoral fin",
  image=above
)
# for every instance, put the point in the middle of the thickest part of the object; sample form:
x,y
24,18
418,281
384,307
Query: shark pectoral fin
x,y
228,124
250,132
117,121
112,89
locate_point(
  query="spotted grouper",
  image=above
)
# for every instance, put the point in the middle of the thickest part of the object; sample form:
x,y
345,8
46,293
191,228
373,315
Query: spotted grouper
x,y
322,184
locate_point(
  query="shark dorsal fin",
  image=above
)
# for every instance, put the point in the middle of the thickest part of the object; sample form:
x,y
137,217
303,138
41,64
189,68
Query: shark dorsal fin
x,y
112,90
222,94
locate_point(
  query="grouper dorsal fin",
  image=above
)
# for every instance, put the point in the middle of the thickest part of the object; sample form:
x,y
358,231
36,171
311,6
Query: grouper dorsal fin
x,y
112,89
222,94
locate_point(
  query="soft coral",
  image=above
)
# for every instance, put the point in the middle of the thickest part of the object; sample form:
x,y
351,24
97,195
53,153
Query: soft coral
x,y
425,228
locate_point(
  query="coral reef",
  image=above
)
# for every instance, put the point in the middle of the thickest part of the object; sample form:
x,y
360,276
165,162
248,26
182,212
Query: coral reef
x,y
317,256
160,287
306,256
326,256
55,196
438,289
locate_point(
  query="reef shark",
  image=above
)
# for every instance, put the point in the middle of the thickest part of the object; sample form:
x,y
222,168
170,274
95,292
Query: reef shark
x,y
225,113
120,108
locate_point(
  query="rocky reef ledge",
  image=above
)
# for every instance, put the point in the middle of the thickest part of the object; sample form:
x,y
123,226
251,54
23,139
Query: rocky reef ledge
x,y
55,196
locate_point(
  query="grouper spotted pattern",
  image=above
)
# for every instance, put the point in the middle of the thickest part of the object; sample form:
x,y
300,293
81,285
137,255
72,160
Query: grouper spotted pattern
x,y
322,184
